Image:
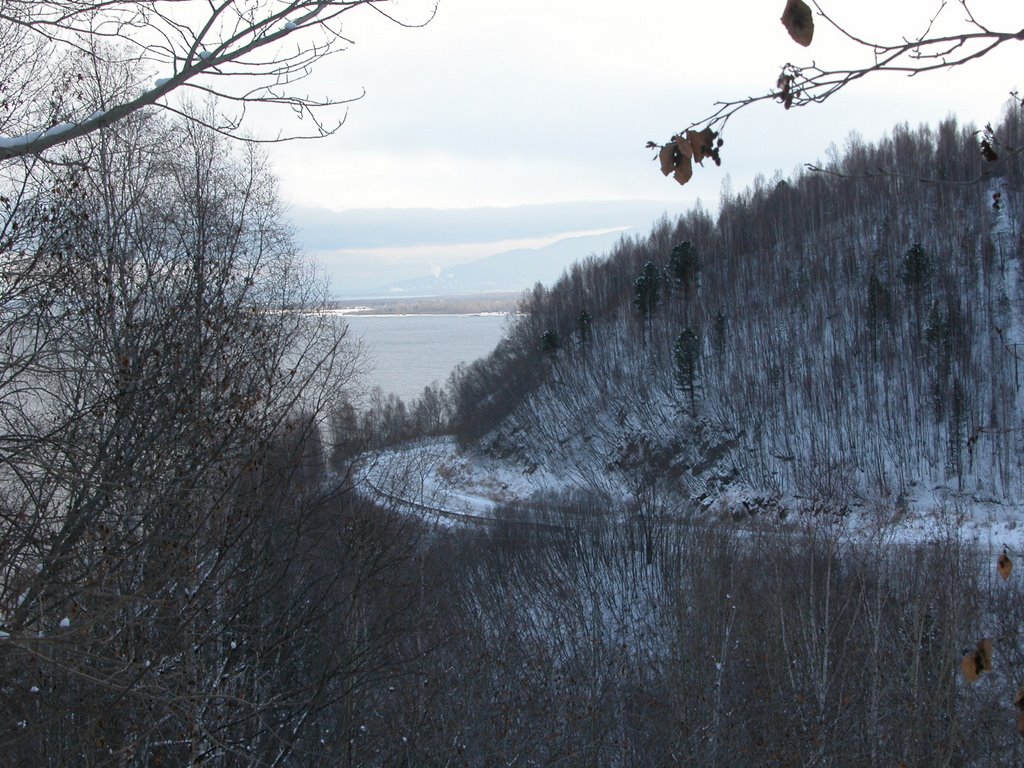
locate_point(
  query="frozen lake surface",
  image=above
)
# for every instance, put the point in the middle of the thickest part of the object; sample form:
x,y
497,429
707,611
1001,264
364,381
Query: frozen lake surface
x,y
409,352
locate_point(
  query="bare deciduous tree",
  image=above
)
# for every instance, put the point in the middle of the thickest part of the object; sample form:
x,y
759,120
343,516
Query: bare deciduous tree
x,y
245,54
168,584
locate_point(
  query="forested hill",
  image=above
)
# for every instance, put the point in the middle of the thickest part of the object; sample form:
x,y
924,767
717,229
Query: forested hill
x,y
845,337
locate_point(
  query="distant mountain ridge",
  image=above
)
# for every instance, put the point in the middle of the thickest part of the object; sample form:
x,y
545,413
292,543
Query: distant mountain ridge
x,y
365,252
514,270
321,229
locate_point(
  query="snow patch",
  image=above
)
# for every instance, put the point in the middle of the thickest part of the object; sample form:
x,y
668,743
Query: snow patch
x,y
58,129
16,142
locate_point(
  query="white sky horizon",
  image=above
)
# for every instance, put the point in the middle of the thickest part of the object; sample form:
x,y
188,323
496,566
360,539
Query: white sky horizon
x,y
538,102
535,103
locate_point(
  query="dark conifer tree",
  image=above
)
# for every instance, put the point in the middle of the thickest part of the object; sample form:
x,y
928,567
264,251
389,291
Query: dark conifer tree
x,y
550,341
647,294
918,269
686,363
684,264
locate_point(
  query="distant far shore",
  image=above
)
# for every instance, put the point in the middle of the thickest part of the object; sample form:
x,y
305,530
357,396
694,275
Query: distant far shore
x,y
470,304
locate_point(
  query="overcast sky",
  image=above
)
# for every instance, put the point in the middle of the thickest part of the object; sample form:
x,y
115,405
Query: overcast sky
x,y
529,101
534,101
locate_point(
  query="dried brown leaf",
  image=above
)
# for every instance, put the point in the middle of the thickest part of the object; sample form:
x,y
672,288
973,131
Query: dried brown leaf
x,y
1018,700
702,142
978,661
969,667
667,158
684,169
798,21
683,145
678,155
1005,566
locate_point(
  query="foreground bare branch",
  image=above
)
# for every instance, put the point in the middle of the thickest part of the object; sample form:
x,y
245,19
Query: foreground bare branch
x,y
802,85
244,54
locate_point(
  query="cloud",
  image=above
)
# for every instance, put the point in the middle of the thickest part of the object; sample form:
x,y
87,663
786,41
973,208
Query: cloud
x,y
541,102
321,229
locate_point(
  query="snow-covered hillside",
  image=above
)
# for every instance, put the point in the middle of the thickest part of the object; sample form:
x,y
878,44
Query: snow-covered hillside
x,y
860,337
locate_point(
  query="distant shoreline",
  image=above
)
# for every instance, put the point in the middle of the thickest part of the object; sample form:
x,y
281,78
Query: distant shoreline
x,y
478,304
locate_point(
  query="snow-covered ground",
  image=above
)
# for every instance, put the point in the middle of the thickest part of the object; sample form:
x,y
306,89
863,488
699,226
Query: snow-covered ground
x,y
433,475
434,479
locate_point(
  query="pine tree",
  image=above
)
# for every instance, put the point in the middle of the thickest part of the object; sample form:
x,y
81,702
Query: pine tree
x,y
684,264
550,341
918,269
686,360
647,294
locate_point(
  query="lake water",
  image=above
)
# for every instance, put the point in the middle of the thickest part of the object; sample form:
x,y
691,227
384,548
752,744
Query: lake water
x,y
408,352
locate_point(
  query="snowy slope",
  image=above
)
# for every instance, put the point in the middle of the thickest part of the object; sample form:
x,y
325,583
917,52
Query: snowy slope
x,y
815,395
